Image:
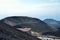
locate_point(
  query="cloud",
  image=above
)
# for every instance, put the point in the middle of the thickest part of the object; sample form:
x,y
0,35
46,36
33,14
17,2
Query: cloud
x,y
13,7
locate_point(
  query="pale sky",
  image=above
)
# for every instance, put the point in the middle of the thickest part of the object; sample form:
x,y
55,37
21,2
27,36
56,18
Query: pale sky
x,y
41,9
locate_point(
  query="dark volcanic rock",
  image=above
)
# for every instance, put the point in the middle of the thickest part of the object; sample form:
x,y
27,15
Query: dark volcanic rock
x,y
10,33
34,23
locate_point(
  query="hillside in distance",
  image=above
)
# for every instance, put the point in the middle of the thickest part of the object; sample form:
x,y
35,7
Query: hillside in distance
x,y
53,23
34,23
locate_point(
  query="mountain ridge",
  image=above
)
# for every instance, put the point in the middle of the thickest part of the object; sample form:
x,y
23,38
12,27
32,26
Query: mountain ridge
x,y
34,23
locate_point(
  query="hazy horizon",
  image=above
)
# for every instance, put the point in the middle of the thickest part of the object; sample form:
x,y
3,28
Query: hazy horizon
x,y
41,9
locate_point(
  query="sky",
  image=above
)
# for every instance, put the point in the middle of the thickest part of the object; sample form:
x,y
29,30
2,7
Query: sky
x,y
41,9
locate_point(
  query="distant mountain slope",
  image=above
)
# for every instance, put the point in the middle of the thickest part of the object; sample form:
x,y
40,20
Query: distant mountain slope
x,y
52,23
34,23
10,33
55,24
